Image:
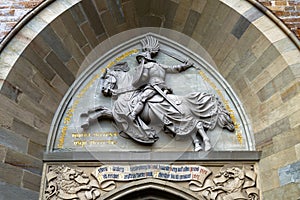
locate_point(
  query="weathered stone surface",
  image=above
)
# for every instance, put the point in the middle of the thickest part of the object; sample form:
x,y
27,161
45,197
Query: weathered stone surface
x,y
73,30
23,161
2,153
269,179
295,69
289,174
51,38
129,14
109,23
10,174
191,22
31,181
9,191
60,68
78,15
26,103
278,160
59,28
262,62
11,91
32,57
101,5
89,34
13,140
29,132
294,119
36,150
290,191
273,130
60,86
93,17
290,92
240,27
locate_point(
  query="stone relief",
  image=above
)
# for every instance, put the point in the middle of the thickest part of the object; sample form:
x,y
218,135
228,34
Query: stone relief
x,y
68,183
145,104
229,183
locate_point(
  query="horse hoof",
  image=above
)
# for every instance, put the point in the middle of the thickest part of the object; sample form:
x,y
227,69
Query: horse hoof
x,y
198,148
85,126
207,147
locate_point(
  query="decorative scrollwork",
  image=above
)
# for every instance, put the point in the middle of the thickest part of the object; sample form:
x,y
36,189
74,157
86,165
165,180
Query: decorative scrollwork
x,y
64,182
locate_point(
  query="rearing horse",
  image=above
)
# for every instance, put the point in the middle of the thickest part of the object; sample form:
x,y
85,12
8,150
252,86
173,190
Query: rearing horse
x,y
199,111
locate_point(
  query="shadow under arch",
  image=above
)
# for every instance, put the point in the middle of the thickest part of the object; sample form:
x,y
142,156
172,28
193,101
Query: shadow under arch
x,y
147,189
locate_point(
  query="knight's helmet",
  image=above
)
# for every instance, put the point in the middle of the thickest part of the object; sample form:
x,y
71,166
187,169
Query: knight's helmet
x,y
150,49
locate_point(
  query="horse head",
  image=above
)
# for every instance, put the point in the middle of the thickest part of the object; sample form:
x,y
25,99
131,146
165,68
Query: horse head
x,y
110,78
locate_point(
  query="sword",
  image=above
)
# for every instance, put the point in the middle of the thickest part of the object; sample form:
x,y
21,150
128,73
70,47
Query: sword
x,y
166,98
177,57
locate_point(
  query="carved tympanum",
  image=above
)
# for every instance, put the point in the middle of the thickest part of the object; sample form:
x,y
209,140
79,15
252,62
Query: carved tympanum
x,y
145,98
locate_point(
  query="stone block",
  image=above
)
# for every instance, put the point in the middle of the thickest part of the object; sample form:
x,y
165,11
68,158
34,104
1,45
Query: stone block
x,y
24,161
40,46
38,63
286,140
260,45
74,49
59,28
29,132
36,150
284,45
9,191
78,14
296,69
278,160
101,5
240,27
283,79
292,57
13,140
31,181
60,86
52,39
295,119
290,92
260,81
266,92
289,174
142,7
2,153
25,86
73,29
10,174
269,180
198,6
277,66
60,68
268,133
10,91
224,50
130,15
290,191
46,87
27,104
262,62
89,34
109,23
73,66
191,22
93,17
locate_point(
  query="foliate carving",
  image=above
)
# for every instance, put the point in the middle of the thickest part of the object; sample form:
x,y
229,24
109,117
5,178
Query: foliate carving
x,y
68,183
146,97
229,184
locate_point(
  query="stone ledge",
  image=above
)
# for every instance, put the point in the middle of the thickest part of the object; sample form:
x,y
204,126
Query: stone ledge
x,y
212,156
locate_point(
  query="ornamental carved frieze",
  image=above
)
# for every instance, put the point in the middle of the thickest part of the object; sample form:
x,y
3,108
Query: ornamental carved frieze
x,y
227,183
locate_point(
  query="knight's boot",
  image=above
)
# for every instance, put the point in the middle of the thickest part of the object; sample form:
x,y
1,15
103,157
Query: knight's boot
x,y
136,110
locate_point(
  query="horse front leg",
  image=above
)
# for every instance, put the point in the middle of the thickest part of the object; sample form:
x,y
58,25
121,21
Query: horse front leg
x,y
197,146
201,131
94,115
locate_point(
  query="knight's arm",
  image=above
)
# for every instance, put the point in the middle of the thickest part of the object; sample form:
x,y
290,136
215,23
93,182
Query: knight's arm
x,y
177,68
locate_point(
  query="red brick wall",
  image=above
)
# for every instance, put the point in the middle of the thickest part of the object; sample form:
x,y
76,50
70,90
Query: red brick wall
x,y
286,10
11,11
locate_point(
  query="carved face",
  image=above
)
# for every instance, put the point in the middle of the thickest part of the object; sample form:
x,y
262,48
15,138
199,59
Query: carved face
x,y
108,84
